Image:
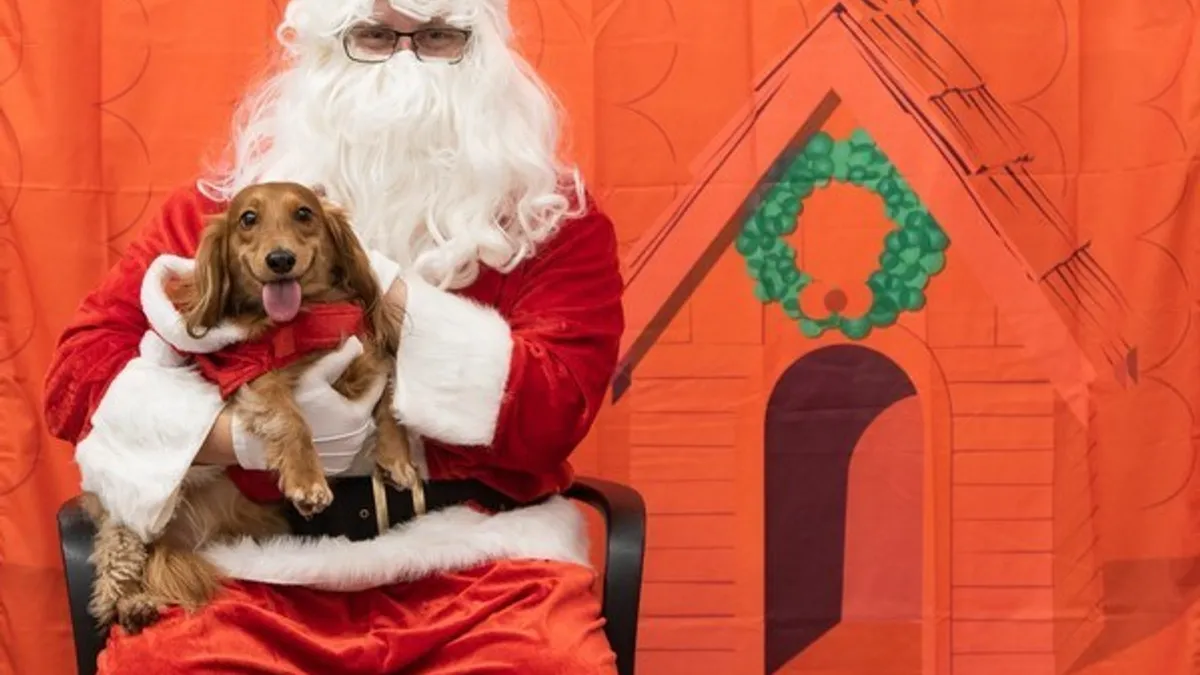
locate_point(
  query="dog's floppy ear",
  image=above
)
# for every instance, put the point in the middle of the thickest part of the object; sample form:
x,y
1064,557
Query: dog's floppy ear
x,y
203,298
355,277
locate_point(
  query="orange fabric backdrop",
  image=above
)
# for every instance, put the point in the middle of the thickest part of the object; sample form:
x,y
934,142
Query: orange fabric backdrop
x,y
1023,490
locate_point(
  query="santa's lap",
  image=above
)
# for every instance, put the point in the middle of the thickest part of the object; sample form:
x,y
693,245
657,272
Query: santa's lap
x,y
527,617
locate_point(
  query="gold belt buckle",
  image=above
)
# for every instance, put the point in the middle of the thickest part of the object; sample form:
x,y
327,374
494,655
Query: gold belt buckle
x,y
379,489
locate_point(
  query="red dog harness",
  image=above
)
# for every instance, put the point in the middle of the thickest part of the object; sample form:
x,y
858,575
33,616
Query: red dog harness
x,y
315,328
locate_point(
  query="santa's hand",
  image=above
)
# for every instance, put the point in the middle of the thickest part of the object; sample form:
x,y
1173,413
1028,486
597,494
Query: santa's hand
x,y
339,425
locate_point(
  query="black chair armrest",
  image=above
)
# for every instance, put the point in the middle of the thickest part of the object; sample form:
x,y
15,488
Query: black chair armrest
x,y
76,533
625,514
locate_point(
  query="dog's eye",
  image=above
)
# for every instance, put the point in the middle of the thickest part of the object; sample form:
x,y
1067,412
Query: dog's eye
x,y
304,214
248,219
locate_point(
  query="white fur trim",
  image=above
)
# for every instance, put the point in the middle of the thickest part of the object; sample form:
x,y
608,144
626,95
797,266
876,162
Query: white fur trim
x,y
166,320
145,434
452,367
453,539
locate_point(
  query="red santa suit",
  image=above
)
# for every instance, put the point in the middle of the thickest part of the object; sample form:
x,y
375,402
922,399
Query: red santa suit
x,y
498,382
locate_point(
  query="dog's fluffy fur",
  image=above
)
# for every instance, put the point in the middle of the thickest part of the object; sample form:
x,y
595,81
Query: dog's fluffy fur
x,y
135,578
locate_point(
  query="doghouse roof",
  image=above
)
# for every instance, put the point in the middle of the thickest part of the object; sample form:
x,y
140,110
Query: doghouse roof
x,y
928,107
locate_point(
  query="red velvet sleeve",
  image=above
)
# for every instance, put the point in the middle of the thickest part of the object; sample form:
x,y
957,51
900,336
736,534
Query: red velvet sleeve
x,y
566,328
506,393
103,335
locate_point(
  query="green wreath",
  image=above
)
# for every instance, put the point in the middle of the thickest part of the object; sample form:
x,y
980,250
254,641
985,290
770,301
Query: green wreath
x,y
913,252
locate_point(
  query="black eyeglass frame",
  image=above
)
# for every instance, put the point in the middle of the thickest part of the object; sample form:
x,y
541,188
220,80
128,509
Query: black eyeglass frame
x,y
412,36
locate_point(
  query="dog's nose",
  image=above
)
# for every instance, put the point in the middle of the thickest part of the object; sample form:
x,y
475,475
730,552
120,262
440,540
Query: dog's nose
x,y
281,261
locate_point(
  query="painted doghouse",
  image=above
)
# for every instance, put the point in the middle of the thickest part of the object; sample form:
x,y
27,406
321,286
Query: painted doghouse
x,y
842,472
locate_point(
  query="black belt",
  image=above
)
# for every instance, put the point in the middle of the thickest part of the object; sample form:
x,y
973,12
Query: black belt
x,y
353,513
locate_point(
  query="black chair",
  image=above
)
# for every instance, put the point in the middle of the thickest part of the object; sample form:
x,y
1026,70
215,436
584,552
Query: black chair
x,y
624,513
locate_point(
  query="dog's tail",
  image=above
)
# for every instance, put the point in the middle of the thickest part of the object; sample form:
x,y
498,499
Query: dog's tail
x,y
180,577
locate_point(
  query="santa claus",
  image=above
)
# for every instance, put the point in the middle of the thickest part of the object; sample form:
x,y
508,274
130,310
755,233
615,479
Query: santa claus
x,y
418,117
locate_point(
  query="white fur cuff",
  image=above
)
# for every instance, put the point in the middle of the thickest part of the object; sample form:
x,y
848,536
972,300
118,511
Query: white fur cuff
x,y
165,319
452,367
145,435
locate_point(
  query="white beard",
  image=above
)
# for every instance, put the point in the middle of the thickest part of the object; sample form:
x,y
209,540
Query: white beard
x,y
442,167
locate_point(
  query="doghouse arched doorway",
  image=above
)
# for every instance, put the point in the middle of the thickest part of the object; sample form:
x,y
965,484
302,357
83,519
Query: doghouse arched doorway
x,y
844,479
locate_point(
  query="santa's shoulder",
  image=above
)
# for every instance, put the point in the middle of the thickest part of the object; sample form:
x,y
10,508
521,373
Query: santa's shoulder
x,y
588,232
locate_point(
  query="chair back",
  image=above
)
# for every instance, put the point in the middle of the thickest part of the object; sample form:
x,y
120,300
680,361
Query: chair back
x,y
76,532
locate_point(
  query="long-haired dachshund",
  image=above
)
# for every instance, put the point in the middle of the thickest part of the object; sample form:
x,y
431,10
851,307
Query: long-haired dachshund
x,y
279,250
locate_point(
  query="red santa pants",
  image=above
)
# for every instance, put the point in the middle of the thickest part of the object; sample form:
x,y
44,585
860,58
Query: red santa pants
x,y
522,617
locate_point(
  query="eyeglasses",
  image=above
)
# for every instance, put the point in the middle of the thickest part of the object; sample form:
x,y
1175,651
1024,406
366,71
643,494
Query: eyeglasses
x,y
373,43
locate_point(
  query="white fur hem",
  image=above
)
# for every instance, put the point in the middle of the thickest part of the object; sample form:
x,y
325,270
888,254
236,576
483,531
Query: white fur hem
x,y
145,434
453,366
166,320
443,541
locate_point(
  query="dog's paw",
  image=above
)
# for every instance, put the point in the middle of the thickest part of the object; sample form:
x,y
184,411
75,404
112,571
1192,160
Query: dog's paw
x,y
136,613
402,473
310,499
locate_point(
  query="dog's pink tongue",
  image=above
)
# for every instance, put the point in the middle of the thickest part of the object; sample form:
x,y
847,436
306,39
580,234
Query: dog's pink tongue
x,y
281,299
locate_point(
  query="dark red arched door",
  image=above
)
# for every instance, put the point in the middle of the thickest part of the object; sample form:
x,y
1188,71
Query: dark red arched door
x,y
816,417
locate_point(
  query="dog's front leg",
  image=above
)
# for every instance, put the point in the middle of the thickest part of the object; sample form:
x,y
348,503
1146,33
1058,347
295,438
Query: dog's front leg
x,y
392,452
267,409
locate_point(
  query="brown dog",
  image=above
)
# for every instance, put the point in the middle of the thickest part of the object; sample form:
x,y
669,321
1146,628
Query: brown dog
x,y
279,250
